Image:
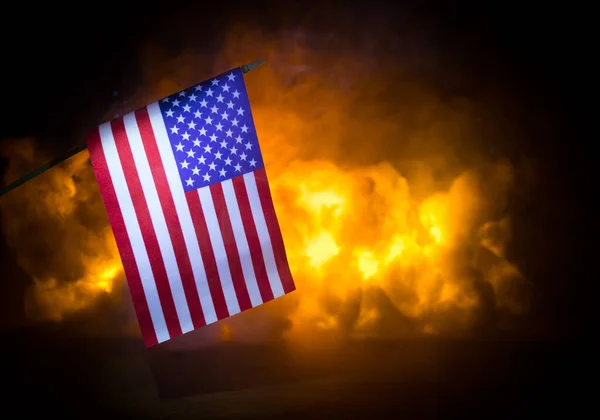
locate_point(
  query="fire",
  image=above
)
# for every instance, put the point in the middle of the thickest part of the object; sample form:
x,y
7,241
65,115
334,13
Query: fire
x,y
367,264
342,239
378,244
320,249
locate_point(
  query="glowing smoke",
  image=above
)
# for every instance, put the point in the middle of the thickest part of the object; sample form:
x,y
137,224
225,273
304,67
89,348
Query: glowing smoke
x,y
395,223
58,231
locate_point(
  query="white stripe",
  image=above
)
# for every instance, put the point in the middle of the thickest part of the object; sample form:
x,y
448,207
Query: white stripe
x,y
158,222
214,232
183,211
241,242
263,234
133,232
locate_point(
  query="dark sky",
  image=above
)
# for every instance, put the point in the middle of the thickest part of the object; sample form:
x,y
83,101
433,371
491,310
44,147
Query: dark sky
x,y
60,71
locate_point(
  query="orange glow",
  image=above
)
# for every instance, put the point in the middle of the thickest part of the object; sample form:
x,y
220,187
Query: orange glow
x,y
320,249
355,227
225,332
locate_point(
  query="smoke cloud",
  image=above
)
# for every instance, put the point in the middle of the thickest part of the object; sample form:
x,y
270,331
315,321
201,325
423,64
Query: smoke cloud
x,y
393,211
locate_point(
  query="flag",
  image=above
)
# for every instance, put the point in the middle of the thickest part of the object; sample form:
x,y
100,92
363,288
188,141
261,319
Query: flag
x,y
186,192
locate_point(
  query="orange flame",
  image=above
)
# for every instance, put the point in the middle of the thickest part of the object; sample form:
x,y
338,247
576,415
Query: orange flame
x,y
378,244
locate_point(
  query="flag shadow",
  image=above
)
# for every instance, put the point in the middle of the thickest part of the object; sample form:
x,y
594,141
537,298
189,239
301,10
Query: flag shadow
x,y
234,367
225,367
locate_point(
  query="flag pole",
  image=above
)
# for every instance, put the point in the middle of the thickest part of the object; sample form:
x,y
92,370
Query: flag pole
x,y
81,147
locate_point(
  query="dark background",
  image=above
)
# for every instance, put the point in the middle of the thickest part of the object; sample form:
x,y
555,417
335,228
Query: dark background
x,y
527,62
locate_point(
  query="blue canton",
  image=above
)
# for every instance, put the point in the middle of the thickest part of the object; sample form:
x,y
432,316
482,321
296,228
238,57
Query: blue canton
x,y
211,131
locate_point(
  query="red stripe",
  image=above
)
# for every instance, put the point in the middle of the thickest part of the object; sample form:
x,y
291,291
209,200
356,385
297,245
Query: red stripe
x,y
233,257
148,233
266,201
258,261
122,238
171,217
208,255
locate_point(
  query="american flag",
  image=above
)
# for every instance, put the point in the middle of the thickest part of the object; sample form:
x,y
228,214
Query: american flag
x,y
186,193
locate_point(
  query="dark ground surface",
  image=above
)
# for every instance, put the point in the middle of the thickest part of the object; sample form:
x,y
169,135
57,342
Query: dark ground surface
x,y
118,378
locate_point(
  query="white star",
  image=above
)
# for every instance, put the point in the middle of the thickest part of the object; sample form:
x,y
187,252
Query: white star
x,y
196,171
174,130
182,93
192,125
203,103
222,172
208,120
209,92
252,163
238,167
229,105
218,155
206,177
227,161
207,148
219,127
213,137
201,160
202,131
220,98
175,102
198,88
180,119
233,150
197,143
166,100
244,128
248,146
193,97
231,77
215,82
212,166
223,144
170,113
234,122
189,182
191,153
240,111
243,156
214,109
225,87
184,164
229,133
179,147
224,115
185,136
197,114
236,94
186,108
238,139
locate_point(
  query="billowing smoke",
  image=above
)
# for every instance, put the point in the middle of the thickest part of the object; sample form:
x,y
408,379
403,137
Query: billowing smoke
x,y
393,212
58,231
